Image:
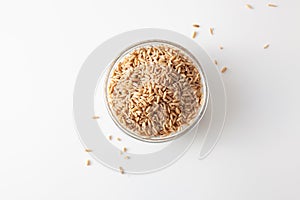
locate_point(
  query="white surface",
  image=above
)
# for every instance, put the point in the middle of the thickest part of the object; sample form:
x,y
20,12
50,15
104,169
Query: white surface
x,y
42,46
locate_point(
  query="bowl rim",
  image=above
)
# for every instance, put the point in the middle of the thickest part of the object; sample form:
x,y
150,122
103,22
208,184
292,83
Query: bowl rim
x,y
205,91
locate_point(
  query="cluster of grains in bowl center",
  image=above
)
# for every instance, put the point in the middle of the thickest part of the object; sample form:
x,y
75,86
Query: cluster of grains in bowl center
x,y
155,91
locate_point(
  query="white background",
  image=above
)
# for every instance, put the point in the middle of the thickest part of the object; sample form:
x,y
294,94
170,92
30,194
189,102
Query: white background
x,y
44,43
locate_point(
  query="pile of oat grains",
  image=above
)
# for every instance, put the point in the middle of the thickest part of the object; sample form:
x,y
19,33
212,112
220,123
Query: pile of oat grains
x,y
155,90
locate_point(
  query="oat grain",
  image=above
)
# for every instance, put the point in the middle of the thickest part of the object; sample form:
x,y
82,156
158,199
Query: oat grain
x,y
224,69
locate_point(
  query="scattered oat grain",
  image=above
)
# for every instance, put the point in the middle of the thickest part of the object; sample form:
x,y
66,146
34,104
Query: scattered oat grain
x,y
96,117
221,47
110,137
216,62
88,162
211,30
124,149
196,25
194,34
224,69
119,139
121,170
88,150
249,6
272,5
266,46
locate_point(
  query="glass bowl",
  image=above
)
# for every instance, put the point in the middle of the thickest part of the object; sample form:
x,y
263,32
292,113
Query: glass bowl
x,y
184,129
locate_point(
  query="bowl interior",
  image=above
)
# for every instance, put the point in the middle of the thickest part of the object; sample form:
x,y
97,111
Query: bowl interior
x,y
184,129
